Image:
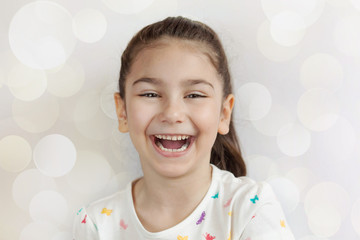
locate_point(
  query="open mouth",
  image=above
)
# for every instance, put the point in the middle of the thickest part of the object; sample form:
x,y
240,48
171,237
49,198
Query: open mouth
x,y
172,143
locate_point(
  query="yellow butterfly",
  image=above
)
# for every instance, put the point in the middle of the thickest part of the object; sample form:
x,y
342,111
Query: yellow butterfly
x,y
106,211
282,223
182,238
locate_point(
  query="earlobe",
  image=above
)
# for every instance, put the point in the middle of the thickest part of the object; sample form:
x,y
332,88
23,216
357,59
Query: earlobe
x,y
121,113
226,112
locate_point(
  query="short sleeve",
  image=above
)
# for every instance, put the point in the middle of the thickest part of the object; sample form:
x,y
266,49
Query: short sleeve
x,y
268,221
84,228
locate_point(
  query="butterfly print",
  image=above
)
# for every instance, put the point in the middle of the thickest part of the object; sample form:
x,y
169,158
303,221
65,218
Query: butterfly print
x,y
227,203
208,236
123,225
215,196
282,223
79,211
84,221
182,238
106,211
202,218
254,199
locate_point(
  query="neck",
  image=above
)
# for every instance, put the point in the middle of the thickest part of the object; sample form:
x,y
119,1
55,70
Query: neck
x,y
172,194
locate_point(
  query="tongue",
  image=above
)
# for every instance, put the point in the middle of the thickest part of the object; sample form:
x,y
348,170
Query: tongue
x,y
172,144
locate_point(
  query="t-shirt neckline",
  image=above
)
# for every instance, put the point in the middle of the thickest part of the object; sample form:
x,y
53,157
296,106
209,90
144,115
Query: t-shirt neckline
x,y
175,229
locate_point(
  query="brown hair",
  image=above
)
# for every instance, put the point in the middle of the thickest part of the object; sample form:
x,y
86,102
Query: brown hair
x,y
225,153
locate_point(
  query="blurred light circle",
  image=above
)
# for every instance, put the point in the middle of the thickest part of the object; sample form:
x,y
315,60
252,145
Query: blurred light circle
x,y
313,237
355,216
293,140
330,193
38,231
339,141
339,3
26,83
55,155
254,101
2,77
271,49
67,80
356,4
324,220
277,117
287,193
36,116
318,109
90,174
302,177
89,25
161,9
107,102
347,35
128,7
261,167
287,28
322,71
27,184
309,10
15,153
40,34
62,236
89,118
42,208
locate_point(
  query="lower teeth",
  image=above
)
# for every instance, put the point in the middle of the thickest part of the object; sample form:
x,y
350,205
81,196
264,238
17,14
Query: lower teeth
x,y
185,146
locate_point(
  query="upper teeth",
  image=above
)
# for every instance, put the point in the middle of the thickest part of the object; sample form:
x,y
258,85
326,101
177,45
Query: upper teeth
x,y
173,138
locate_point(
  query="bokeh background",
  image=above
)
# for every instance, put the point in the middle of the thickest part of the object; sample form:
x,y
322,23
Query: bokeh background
x,y
296,71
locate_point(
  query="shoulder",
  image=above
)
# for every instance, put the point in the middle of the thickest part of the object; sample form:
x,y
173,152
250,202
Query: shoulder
x,y
109,204
239,187
244,193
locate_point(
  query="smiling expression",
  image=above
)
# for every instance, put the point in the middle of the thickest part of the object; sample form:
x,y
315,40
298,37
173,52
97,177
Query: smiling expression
x,y
174,108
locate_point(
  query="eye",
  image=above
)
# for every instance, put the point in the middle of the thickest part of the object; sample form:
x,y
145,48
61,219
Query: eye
x,y
195,95
150,95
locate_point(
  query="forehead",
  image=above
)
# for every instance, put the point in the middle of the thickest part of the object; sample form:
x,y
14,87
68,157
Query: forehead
x,y
173,58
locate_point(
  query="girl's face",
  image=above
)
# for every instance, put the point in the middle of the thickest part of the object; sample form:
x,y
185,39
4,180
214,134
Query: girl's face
x,y
173,109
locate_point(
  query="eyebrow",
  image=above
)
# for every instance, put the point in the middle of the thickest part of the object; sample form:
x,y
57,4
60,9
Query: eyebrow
x,y
156,81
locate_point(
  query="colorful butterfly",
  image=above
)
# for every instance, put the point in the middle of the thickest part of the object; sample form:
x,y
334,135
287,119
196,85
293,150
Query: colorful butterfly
x,y
106,211
228,203
202,218
282,223
123,225
182,238
79,211
84,221
215,196
254,199
208,236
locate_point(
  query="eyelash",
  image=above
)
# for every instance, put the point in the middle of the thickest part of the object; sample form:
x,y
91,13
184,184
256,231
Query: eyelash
x,y
153,95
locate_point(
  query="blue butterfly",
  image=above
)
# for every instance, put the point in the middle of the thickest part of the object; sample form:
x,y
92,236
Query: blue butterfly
x,y
215,196
254,199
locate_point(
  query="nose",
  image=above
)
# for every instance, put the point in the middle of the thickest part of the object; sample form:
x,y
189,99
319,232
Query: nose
x,y
172,112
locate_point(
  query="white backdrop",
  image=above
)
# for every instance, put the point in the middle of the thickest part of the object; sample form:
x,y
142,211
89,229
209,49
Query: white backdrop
x,y
296,71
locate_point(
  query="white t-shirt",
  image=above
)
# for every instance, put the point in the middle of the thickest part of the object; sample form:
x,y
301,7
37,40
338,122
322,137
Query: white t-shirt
x,y
233,208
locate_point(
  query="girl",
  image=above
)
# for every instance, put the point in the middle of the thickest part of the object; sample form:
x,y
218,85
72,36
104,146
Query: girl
x,y
175,101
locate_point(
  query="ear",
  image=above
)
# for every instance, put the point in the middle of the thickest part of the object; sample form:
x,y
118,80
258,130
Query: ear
x,y
225,116
121,113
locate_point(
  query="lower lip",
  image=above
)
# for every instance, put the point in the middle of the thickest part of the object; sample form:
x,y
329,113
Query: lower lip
x,y
171,154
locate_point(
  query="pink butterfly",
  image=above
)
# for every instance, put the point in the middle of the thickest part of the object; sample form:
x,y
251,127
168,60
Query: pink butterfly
x,y
228,203
123,225
84,221
208,236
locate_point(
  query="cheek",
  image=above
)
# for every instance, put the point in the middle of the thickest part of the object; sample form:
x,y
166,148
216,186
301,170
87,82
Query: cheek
x,y
139,116
207,116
